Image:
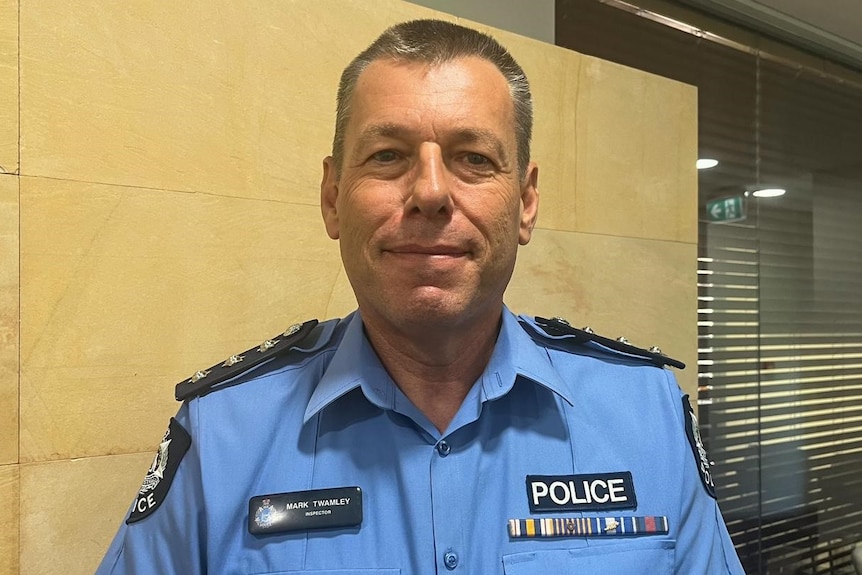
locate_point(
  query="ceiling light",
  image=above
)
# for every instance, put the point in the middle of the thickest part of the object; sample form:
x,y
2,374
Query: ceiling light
x,y
769,192
706,163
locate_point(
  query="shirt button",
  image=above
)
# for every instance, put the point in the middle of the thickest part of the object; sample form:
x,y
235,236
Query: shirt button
x,y
443,449
450,560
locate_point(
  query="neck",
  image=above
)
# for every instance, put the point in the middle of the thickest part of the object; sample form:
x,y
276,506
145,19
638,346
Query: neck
x,y
435,367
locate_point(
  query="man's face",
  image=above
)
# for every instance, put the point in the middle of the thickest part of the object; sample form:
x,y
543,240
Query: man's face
x,y
429,207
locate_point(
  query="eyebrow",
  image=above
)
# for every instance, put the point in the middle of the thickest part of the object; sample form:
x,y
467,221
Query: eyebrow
x,y
486,138
375,131
461,135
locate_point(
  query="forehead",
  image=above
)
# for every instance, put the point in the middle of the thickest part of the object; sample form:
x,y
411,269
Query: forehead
x,y
465,92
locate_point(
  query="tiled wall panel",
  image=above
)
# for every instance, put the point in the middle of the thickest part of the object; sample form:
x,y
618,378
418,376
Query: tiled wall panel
x,y
568,274
189,95
8,319
70,510
616,147
9,491
127,291
9,87
637,145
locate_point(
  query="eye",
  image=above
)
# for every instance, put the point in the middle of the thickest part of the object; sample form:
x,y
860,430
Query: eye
x,y
385,156
475,159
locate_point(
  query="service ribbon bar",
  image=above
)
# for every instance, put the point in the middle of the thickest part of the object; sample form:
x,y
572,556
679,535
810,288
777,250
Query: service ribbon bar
x,y
588,527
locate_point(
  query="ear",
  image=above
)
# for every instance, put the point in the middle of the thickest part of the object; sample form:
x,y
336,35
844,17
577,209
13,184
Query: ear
x,y
529,203
329,198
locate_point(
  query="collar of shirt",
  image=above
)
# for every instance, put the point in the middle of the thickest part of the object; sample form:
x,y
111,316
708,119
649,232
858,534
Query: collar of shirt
x,y
355,364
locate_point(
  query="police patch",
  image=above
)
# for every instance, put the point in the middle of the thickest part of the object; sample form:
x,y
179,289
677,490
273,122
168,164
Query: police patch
x,y
161,473
701,460
593,492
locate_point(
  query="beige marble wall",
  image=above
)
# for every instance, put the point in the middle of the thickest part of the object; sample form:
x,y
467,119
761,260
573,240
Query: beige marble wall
x,y
147,286
167,207
9,87
9,491
70,509
9,310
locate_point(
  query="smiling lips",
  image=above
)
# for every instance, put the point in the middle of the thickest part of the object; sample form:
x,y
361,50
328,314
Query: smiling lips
x,y
439,253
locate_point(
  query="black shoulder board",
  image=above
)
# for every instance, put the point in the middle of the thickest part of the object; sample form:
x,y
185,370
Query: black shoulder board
x,y
557,327
205,381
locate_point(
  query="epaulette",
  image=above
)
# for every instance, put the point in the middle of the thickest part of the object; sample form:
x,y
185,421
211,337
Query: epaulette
x,y
206,380
560,335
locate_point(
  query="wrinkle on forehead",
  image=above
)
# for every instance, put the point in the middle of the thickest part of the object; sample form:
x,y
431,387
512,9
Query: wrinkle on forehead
x,y
416,102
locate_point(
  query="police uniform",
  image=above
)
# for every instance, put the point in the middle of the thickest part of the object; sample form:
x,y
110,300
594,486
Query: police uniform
x,y
303,456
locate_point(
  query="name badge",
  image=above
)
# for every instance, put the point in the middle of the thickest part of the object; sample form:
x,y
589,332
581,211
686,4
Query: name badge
x,y
594,492
304,510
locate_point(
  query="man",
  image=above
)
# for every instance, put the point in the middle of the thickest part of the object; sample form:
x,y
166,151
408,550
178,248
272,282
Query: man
x,y
432,430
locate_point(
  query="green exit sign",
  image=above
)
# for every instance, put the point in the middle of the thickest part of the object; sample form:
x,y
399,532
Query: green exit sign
x,y
726,210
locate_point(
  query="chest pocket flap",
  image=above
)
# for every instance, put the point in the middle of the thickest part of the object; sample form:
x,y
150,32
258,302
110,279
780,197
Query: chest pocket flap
x,y
630,557
337,572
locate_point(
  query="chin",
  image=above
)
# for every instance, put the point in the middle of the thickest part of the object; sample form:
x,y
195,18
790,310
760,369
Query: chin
x,y
401,308
437,311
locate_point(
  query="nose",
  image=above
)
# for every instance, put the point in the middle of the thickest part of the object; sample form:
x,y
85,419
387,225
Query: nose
x,y
429,192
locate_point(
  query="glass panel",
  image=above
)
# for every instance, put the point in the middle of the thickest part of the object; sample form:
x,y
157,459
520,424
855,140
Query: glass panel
x,y
779,288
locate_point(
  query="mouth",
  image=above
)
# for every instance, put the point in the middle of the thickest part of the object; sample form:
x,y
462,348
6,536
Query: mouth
x,y
444,251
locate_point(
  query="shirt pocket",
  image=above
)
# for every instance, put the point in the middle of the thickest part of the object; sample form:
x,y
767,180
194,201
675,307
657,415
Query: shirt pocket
x,y
374,571
629,557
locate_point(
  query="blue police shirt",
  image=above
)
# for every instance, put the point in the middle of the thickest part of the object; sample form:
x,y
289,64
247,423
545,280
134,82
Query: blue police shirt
x,y
576,423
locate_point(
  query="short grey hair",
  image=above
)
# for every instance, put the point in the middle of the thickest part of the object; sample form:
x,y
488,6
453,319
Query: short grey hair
x,y
436,42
